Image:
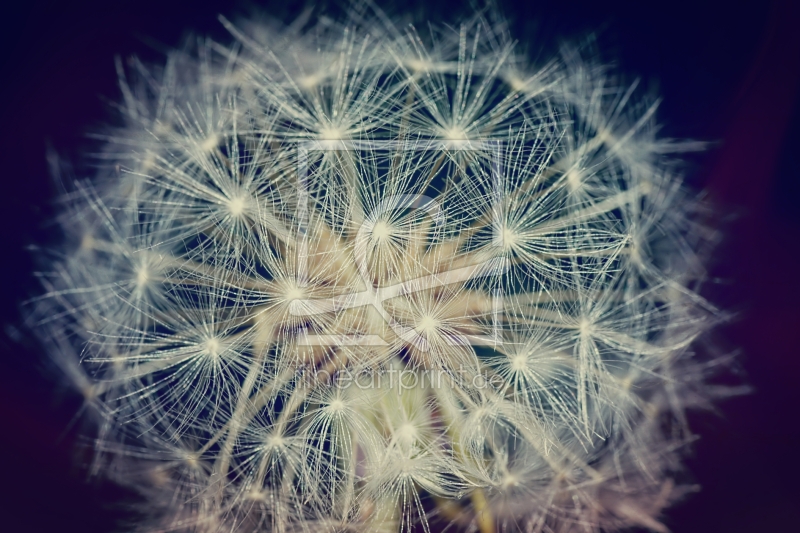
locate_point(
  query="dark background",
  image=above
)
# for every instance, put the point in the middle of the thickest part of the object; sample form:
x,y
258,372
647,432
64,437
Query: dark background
x,y
729,72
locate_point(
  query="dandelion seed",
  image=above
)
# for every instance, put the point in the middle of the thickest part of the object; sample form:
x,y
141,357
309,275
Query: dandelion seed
x,y
343,277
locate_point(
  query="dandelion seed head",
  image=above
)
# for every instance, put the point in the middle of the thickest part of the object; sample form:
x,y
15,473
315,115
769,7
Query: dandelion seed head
x,y
519,362
293,292
509,480
310,81
454,133
419,65
142,276
236,206
574,179
210,143
191,460
274,442
339,275
508,237
213,347
428,324
331,133
336,406
382,231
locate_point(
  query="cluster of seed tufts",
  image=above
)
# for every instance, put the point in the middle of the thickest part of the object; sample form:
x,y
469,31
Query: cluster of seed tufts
x,y
355,277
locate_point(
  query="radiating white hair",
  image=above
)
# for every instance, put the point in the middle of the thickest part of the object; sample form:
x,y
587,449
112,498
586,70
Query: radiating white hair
x,y
355,277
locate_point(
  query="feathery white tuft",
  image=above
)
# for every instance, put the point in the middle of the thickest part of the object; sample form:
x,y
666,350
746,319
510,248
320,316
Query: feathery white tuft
x,y
350,277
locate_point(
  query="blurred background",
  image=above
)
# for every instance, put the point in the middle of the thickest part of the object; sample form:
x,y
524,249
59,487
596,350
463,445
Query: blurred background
x,y
729,74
